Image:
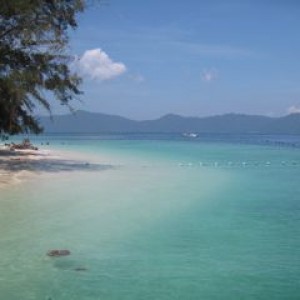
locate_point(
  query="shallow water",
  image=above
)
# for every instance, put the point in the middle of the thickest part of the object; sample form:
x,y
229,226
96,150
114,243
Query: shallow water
x,y
172,219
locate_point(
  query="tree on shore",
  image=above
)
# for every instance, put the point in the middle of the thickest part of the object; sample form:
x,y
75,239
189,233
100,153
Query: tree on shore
x,y
34,64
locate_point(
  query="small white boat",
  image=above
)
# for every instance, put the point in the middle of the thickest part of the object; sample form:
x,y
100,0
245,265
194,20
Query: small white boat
x,y
190,135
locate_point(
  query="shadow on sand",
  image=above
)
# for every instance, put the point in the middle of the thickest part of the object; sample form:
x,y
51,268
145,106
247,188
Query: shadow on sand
x,y
23,163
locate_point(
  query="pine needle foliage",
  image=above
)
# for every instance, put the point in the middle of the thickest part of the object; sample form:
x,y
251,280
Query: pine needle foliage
x,y
34,63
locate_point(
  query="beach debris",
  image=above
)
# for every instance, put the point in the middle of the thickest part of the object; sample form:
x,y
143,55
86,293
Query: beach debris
x,y
25,145
58,253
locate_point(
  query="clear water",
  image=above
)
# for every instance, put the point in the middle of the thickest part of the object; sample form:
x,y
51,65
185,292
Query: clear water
x,y
215,218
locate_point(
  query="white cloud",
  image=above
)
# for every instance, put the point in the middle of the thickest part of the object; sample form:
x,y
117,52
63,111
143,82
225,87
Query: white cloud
x,y
293,109
97,64
209,75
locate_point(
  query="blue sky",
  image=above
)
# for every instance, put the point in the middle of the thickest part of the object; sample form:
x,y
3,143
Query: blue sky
x,y
144,59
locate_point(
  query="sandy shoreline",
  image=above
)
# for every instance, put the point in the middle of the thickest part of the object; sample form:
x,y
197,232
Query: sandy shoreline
x,y
18,166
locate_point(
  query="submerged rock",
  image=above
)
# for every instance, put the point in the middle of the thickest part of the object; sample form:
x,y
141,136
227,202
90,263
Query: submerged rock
x,y
78,269
57,252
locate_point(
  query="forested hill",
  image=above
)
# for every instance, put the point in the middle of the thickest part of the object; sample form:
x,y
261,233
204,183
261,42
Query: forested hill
x,y
86,122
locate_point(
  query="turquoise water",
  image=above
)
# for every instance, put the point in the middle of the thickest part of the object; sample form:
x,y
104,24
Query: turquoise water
x,y
171,219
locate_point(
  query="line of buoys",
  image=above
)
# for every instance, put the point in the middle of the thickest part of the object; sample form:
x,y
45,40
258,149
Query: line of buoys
x,y
244,164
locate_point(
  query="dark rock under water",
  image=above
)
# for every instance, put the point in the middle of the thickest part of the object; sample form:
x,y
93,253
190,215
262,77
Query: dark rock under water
x,y
80,269
57,253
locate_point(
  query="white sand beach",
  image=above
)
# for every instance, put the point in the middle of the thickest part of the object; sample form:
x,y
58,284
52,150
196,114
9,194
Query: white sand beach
x,y
17,166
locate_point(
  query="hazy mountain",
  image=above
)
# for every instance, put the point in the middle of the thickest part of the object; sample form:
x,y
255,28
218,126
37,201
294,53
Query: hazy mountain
x,y
86,122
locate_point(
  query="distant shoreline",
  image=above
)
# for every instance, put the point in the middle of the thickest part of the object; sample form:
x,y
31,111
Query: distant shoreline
x,y
87,122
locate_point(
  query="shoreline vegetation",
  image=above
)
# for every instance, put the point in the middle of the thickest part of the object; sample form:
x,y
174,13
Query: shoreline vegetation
x,y
24,161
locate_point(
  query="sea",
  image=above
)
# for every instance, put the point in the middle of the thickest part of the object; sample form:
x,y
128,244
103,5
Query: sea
x,y
155,217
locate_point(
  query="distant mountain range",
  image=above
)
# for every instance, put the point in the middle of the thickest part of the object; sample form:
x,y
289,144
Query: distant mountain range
x,y
87,122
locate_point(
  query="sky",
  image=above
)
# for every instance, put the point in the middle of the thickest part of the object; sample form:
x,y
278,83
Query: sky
x,y
145,59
